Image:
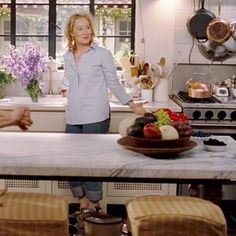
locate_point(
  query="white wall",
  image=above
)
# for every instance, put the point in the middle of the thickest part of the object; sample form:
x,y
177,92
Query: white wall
x,y
165,32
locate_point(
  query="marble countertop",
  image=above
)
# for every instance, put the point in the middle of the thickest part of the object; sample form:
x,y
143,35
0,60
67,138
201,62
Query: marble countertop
x,y
58,103
99,155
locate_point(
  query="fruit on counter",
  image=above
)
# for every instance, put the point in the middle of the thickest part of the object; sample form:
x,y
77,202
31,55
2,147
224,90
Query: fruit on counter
x,y
135,130
150,117
214,142
163,117
124,124
150,130
141,121
183,127
169,132
157,119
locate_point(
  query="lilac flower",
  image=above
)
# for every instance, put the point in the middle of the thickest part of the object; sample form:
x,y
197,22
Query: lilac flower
x,y
25,63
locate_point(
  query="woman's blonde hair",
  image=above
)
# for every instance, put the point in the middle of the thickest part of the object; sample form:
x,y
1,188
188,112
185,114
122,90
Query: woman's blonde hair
x,y
71,45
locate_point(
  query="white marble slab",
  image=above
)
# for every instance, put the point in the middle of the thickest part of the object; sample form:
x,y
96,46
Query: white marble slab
x,y
99,155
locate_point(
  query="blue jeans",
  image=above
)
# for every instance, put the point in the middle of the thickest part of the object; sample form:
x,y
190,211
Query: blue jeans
x,y
92,190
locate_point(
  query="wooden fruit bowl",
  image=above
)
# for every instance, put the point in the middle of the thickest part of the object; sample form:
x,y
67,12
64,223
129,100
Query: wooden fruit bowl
x,y
157,143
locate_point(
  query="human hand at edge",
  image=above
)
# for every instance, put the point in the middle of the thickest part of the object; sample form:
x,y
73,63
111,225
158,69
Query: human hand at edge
x,y
137,107
20,116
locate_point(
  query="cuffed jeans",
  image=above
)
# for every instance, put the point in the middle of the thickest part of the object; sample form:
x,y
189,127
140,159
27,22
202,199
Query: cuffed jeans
x,y
92,190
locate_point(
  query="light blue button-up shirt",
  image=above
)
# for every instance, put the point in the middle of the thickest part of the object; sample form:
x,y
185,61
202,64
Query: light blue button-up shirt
x,y
88,82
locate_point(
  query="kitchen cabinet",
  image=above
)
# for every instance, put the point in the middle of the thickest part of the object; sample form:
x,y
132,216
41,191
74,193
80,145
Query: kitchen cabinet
x,y
49,116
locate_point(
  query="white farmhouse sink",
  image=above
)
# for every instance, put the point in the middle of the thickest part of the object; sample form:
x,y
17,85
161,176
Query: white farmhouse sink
x,y
46,100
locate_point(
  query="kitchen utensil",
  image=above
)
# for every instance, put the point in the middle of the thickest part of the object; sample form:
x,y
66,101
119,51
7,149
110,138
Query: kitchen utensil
x,y
230,44
162,62
197,23
233,28
145,69
161,90
162,67
221,91
234,92
218,29
103,225
214,51
197,88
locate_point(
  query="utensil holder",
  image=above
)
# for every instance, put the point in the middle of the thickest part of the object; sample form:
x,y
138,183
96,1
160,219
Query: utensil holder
x,y
147,95
161,91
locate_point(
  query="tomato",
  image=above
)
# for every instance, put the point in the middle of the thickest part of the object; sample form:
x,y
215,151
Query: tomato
x,y
151,131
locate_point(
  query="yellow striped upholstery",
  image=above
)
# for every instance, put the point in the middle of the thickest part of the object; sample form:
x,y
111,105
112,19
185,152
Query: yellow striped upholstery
x,y
33,214
174,216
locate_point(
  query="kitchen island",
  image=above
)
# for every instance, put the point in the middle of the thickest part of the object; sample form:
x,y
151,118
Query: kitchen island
x,y
100,157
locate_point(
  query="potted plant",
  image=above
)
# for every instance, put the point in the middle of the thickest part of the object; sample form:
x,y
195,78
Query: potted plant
x,y
5,79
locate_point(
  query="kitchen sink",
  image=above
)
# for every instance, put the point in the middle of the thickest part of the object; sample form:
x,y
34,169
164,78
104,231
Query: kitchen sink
x,y
45,100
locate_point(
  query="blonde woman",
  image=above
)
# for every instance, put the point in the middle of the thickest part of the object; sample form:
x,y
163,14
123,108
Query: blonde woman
x,y
89,72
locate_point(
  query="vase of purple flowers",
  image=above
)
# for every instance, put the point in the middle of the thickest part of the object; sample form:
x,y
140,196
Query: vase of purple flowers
x,y
27,65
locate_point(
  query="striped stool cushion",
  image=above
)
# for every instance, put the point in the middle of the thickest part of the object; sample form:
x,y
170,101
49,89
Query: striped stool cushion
x,y
174,216
33,214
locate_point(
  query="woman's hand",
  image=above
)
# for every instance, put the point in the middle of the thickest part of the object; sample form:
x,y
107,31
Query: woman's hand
x,y
137,107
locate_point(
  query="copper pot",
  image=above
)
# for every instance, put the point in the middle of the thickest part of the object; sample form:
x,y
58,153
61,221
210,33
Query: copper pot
x,y
198,89
102,225
219,30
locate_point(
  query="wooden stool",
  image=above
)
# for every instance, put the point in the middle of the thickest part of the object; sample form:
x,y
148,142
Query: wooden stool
x,y
33,214
153,215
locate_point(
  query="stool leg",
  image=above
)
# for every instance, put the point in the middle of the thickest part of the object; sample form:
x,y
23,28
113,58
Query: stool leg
x,y
213,192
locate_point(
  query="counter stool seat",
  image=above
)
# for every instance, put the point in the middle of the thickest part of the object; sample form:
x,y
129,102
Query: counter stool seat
x,y
153,215
33,214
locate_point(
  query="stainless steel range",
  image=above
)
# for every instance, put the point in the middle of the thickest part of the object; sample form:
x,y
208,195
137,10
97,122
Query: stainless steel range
x,y
214,115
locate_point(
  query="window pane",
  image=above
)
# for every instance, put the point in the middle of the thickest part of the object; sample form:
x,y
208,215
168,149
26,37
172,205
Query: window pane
x,y
4,44
63,12
20,41
31,20
30,1
60,49
107,20
114,44
73,1
5,20
113,1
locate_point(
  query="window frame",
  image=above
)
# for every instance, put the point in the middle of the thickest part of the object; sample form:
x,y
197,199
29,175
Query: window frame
x,y
52,18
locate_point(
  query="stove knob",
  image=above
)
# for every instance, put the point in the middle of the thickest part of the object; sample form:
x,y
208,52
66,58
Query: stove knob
x,y
196,114
209,114
233,115
221,115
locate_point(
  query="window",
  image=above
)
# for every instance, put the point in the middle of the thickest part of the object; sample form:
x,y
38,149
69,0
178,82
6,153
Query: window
x,y
44,20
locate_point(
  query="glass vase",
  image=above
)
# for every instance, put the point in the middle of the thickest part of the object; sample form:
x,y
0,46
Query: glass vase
x,y
2,90
34,90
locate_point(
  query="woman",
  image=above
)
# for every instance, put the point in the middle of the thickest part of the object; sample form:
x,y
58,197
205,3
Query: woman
x,y
89,72
20,116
